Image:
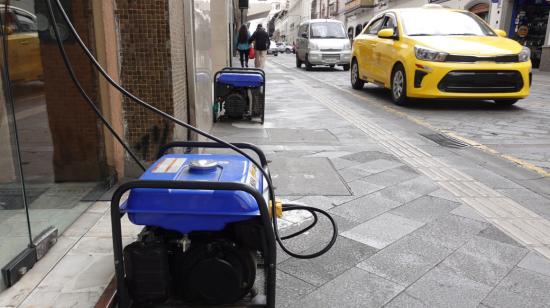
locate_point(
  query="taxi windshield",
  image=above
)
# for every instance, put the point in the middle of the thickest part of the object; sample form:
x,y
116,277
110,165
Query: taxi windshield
x,y
443,22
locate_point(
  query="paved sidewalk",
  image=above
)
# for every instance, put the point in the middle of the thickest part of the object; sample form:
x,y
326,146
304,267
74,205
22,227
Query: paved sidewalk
x,y
407,238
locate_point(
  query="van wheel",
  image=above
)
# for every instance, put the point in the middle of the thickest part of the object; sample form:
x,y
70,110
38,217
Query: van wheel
x,y
345,67
356,82
399,85
298,62
308,65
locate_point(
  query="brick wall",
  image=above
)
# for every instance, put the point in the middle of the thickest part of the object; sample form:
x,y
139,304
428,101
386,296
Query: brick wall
x,y
76,132
178,68
146,71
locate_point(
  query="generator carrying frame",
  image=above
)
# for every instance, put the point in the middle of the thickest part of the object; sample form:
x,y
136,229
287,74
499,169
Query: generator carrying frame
x,y
221,91
268,235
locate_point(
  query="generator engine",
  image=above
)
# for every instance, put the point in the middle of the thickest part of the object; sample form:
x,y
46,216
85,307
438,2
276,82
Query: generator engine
x,y
236,103
204,267
197,246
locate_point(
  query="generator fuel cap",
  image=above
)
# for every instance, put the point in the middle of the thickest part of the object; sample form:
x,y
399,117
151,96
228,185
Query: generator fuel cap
x,y
203,165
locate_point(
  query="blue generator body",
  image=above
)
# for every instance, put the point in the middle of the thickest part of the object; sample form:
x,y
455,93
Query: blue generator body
x,y
206,231
239,94
195,210
250,80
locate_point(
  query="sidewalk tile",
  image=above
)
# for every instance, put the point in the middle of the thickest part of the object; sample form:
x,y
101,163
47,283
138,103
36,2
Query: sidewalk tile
x,y
354,288
450,231
443,194
340,163
320,202
485,261
392,177
301,135
319,235
306,176
442,288
290,289
361,188
426,209
521,288
344,255
536,263
368,168
410,190
366,156
493,233
467,211
405,260
404,300
365,208
383,230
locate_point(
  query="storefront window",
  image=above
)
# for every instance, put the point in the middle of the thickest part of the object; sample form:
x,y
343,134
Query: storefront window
x,y
59,139
529,24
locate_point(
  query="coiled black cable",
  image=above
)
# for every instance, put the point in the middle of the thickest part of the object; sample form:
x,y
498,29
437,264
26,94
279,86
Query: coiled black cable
x,y
165,115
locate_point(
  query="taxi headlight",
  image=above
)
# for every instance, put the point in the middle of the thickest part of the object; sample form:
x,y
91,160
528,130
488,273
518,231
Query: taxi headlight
x,y
524,55
426,54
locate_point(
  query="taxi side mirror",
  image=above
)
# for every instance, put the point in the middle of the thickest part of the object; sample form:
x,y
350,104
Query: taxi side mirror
x,y
500,32
386,33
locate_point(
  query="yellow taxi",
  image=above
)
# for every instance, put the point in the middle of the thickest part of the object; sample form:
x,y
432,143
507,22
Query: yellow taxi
x,y
24,59
434,52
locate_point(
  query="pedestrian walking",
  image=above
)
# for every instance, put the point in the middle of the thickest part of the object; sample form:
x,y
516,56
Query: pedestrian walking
x,y
261,45
243,46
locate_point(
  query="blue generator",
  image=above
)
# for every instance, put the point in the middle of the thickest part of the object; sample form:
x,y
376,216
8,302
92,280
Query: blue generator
x,y
239,93
206,231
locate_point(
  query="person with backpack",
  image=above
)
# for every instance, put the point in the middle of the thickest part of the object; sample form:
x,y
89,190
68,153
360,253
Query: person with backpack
x,y
261,45
243,46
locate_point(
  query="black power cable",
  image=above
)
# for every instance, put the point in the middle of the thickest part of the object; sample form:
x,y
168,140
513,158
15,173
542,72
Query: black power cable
x,y
126,93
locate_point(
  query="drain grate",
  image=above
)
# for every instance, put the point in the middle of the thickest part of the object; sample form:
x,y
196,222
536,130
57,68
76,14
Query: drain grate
x,y
446,141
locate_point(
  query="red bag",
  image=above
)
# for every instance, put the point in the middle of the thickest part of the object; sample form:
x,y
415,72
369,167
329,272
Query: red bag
x,y
251,53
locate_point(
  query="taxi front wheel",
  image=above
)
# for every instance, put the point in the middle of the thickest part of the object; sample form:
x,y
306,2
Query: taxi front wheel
x,y
356,82
399,85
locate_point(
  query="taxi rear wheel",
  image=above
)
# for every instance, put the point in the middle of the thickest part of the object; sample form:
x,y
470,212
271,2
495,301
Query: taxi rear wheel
x,y
399,85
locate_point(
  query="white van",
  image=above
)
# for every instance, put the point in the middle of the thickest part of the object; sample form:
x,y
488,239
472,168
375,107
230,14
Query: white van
x,y
322,42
